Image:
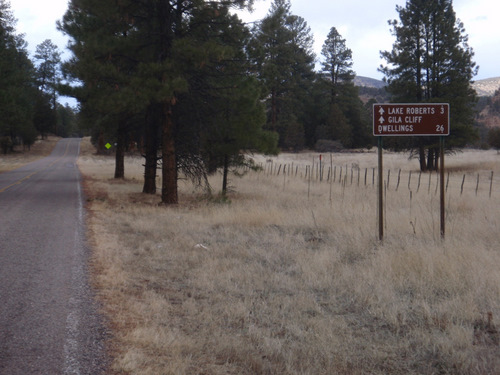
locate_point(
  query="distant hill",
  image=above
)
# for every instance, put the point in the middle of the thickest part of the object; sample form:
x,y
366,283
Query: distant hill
x,y
489,111
483,87
368,82
487,87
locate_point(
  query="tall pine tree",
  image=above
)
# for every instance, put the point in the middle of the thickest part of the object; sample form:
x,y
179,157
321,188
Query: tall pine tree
x,y
17,84
102,43
220,114
134,57
431,61
337,63
347,119
282,52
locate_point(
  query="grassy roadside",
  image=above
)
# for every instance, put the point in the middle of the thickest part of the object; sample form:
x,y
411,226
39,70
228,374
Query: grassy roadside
x,y
276,282
20,157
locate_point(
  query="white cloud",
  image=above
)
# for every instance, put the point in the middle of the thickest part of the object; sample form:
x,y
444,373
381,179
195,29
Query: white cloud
x,y
37,20
364,26
362,23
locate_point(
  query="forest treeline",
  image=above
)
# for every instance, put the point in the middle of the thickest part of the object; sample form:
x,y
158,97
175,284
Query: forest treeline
x,y
28,89
191,86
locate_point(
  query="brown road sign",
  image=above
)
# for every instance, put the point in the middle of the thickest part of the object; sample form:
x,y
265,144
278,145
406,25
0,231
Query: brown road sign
x,y
408,119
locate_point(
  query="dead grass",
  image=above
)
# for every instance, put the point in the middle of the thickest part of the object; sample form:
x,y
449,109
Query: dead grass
x,y
21,156
274,282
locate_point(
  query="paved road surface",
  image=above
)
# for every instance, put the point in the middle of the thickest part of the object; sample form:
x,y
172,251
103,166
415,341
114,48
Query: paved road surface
x,y
48,321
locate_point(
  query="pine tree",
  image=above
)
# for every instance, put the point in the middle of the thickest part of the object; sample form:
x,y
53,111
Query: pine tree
x,y
44,116
494,138
432,62
282,53
17,89
348,120
48,74
235,128
67,124
221,107
337,62
133,58
103,62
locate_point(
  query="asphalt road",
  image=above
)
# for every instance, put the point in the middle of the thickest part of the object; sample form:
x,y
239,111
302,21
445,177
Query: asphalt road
x,y
49,321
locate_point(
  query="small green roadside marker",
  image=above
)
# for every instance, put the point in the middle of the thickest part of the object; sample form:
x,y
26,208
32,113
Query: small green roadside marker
x,y
107,145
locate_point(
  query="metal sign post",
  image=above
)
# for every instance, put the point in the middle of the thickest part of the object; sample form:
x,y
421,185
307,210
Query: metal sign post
x,y
410,119
380,191
441,173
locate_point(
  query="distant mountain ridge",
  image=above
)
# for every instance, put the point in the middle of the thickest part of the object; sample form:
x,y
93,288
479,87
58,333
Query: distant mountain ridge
x,y
483,87
368,82
489,111
487,87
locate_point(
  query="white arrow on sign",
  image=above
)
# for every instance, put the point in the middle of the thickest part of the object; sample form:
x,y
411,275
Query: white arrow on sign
x,y
381,119
381,111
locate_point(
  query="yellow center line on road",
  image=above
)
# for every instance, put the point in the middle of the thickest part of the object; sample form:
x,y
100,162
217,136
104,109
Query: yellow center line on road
x,y
18,182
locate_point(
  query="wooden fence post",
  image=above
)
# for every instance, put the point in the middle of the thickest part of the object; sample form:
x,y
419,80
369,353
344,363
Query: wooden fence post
x,y
437,182
491,182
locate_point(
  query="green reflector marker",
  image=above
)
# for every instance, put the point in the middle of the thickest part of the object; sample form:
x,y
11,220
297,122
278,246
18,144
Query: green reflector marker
x,y
107,145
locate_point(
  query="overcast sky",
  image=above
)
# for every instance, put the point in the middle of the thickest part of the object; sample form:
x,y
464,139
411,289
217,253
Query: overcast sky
x,y
363,23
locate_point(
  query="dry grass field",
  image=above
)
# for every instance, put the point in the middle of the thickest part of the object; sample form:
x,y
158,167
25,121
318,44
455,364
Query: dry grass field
x,y
21,157
288,276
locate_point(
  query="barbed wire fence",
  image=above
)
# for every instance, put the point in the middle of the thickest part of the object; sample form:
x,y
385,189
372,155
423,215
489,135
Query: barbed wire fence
x,y
481,183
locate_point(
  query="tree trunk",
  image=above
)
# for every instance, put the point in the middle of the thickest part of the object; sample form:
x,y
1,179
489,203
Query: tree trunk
x,y
421,158
100,144
274,110
433,159
436,158
120,155
224,175
54,103
430,159
150,148
169,162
